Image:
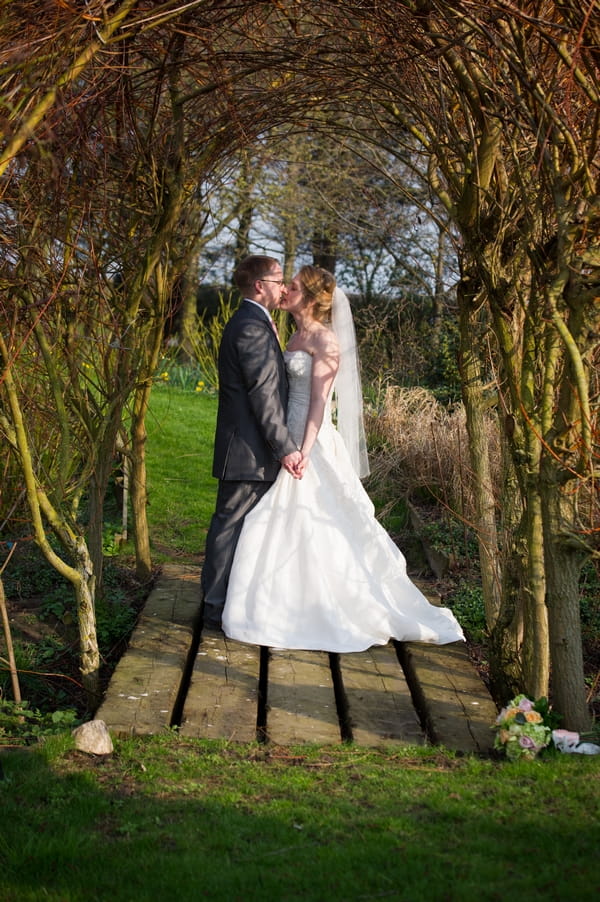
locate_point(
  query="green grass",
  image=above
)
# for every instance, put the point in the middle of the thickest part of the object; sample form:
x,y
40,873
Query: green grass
x,y
170,819
181,489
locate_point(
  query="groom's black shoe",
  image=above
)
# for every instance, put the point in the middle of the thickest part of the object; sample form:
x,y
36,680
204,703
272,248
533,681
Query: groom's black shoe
x,y
212,625
207,622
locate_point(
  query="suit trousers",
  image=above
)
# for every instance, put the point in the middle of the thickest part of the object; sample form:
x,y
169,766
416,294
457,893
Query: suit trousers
x,y
234,501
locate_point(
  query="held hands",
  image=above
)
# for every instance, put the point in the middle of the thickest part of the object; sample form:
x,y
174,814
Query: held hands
x,y
295,464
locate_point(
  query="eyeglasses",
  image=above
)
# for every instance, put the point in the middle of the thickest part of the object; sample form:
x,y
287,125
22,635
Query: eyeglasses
x,y
275,281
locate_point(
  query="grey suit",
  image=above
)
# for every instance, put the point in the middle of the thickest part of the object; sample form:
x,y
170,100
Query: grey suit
x,y
251,438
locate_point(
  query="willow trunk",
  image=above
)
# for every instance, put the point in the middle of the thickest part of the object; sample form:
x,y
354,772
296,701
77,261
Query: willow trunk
x,y
564,559
482,481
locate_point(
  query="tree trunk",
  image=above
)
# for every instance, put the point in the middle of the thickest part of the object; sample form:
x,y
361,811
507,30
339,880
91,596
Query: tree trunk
x,y
517,344
506,637
245,211
564,559
324,251
97,489
189,308
139,485
84,587
536,650
12,666
95,525
485,506
82,578
438,293
138,475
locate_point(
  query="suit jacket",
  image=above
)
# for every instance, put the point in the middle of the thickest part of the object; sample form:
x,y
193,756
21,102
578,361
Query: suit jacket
x,y
251,434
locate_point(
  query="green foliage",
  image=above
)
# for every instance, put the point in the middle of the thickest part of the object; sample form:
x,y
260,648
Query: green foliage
x,y
443,377
27,660
550,717
57,602
202,345
27,575
451,537
400,344
115,619
206,339
111,542
466,602
43,666
21,724
392,513
184,376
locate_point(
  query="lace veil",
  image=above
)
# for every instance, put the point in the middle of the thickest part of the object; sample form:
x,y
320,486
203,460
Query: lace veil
x,y
348,391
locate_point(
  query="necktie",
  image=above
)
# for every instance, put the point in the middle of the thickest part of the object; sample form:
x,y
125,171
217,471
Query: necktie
x,y
274,328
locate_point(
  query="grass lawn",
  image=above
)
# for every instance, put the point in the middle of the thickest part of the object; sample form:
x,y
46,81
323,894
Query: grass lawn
x,y
181,489
172,819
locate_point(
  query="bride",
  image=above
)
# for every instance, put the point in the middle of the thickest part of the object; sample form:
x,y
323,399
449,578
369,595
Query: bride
x,y
313,568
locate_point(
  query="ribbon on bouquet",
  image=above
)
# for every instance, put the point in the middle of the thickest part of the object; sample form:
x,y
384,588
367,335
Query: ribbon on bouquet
x,y
570,742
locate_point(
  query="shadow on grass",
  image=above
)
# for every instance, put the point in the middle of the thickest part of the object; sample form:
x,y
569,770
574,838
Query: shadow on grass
x,y
206,823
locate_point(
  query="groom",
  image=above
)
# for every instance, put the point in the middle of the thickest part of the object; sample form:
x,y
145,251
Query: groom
x,y
252,440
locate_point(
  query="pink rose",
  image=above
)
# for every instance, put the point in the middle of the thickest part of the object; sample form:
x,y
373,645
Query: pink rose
x,y
525,705
526,742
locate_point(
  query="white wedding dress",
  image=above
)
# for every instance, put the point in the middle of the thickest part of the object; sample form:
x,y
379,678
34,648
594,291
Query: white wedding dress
x,y
313,568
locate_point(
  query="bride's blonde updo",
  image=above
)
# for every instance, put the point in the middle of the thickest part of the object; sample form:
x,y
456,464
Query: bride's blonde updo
x,y
318,286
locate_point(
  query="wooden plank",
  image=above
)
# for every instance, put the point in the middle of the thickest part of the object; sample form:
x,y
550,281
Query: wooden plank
x,y
456,703
222,699
380,708
301,699
144,687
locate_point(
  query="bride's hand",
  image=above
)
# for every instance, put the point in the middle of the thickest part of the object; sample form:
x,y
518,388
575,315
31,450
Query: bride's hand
x,y
291,463
301,469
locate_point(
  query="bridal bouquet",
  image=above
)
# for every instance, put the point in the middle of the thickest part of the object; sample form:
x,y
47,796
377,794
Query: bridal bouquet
x,y
523,728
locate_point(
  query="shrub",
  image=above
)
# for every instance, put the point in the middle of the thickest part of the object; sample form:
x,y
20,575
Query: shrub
x,y
421,446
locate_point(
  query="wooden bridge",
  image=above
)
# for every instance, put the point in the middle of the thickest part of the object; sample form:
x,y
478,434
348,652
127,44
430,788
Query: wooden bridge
x,y
216,688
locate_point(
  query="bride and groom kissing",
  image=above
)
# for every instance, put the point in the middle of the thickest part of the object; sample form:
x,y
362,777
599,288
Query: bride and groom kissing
x,y
295,557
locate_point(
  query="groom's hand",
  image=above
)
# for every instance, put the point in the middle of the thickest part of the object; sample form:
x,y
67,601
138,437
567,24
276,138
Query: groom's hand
x,y
293,464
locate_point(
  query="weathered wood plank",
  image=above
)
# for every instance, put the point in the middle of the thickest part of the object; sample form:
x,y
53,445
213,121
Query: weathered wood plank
x,y
380,708
222,699
144,687
456,703
301,699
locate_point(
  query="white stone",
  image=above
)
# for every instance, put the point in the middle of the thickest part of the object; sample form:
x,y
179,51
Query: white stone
x,y
93,737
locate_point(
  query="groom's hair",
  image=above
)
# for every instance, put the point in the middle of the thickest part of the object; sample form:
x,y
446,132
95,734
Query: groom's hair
x,y
252,269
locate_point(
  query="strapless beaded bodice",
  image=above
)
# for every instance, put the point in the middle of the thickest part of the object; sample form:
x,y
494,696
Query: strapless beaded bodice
x,y
298,365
